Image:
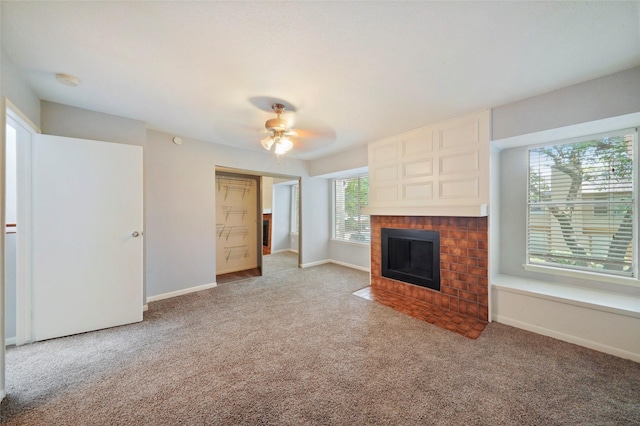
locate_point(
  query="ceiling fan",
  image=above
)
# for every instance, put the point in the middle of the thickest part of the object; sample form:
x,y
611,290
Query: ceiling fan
x,y
279,132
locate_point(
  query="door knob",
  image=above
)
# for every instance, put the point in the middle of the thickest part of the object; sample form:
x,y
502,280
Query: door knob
x,y
135,234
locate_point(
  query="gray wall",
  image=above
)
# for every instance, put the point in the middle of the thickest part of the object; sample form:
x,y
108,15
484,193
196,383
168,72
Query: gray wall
x,y
180,224
609,96
353,159
350,253
179,193
316,217
64,120
587,102
281,227
338,166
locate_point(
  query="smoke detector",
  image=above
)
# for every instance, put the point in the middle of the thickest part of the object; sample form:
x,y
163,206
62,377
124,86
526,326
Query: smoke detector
x,y
68,80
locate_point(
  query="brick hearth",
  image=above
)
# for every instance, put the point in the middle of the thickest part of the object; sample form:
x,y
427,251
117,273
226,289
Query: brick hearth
x,y
463,264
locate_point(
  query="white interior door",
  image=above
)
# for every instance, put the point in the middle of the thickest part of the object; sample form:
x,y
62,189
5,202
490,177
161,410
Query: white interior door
x,y
86,258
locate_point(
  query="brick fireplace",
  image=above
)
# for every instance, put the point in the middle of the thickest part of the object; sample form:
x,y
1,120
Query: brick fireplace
x,y
463,265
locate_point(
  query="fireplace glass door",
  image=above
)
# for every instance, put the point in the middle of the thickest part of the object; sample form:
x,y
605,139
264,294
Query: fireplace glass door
x,y
412,256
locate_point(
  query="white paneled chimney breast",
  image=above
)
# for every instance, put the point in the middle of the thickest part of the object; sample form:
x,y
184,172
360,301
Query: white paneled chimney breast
x,y
438,170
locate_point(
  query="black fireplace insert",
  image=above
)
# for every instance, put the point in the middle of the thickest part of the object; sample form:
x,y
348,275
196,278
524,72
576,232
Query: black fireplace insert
x,y
411,255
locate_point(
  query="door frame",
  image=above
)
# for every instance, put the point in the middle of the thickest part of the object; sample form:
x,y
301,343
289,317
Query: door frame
x,y
9,111
222,169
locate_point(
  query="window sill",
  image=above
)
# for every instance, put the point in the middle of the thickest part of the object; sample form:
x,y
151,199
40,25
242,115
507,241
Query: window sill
x,y
353,243
583,275
600,299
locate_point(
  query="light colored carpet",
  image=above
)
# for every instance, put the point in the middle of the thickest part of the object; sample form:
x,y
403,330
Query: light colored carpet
x,y
271,263
297,347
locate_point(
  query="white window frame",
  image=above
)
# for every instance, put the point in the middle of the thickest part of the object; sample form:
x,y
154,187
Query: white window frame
x,y
604,276
333,213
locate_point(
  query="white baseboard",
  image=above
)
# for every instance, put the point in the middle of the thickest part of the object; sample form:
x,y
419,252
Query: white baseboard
x,y
352,266
145,307
568,338
319,262
325,261
10,341
284,251
180,292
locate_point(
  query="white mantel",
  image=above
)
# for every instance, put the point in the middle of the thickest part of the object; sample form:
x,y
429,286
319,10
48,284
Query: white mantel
x,y
437,170
457,211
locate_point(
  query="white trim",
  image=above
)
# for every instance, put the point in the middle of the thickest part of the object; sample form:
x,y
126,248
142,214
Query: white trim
x,y
352,266
602,300
325,261
354,243
568,338
583,275
12,111
284,251
311,264
480,210
24,238
180,292
10,341
145,307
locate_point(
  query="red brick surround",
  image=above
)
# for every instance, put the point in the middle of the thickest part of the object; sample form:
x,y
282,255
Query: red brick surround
x,y
464,279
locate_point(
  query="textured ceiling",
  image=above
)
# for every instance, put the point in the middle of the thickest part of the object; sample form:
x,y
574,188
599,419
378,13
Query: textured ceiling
x,y
353,72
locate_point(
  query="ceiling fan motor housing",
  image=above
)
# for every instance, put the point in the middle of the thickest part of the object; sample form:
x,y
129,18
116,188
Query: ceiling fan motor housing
x,y
276,124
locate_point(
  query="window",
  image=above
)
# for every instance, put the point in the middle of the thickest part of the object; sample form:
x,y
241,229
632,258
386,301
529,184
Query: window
x,y
295,210
350,196
582,204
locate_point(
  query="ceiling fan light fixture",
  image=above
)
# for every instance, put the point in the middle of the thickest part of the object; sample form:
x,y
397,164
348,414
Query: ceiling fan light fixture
x,y
279,132
283,145
267,142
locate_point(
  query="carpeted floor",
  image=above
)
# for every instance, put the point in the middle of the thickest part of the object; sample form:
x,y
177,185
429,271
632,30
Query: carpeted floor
x,y
271,263
297,347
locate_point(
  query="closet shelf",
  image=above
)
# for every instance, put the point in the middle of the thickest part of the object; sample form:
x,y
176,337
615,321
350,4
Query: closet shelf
x,y
230,184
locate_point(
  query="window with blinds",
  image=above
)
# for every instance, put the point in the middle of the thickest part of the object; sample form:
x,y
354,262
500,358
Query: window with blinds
x,y
350,196
581,204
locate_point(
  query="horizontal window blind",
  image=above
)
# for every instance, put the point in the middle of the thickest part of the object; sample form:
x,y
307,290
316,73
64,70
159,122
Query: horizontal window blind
x,y
581,205
351,195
